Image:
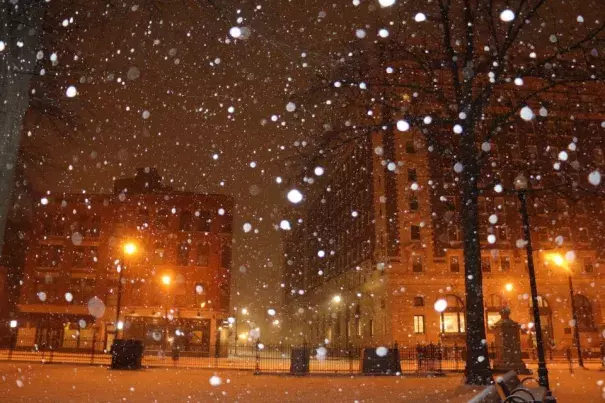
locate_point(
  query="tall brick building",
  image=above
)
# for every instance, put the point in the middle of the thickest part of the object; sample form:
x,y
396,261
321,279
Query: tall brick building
x,y
377,240
175,285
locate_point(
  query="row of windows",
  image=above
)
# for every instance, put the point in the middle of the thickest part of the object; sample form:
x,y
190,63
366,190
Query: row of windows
x,y
488,262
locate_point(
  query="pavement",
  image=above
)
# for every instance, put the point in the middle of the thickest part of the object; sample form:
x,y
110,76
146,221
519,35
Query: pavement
x,y
36,382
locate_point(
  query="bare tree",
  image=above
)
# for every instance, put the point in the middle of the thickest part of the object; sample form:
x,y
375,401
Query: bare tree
x,y
459,72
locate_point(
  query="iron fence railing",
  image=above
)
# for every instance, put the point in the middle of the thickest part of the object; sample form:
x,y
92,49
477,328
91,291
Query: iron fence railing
x,y
262,358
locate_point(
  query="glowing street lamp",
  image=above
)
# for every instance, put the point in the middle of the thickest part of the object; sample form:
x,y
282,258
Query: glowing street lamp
x,y
440,306
561,262
508,287
166,279
129,248
337,299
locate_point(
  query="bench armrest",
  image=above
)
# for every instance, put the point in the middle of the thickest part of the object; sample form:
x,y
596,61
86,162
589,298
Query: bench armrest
x,y
529,378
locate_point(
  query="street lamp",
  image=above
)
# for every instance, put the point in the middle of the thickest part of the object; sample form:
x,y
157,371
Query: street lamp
x,y
440,306
337,299
560,261
521,186
166,281
508,287
129,249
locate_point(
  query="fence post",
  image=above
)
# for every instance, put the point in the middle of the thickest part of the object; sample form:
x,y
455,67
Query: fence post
x,y
257,363
350,355
92,352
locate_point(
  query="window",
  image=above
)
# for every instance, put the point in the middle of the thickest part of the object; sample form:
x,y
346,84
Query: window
x,y
226,256
505,263
418,301
481,205
542,234
79,255
409,147
583,235
183,254
532,152
413,200
598,156
371,323
417,263
158,253
186,221
204,221
584,314
415,232
454,264
486,264
492,318
162,219
412,175
503,233
419,324
49,256
452,319
588,265
448,176
453,233
203,254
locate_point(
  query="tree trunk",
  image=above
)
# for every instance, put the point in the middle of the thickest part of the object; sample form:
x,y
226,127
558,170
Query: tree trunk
x,y
478,371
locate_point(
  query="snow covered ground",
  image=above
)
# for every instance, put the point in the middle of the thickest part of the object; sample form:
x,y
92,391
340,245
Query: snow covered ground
x,y
33,382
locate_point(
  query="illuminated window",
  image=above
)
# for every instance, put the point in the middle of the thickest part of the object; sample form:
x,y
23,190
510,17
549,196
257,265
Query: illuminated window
x,y
419,324
453,322
452,319
492,318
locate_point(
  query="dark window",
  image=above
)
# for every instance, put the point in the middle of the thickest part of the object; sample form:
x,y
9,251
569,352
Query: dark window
x,y
413,203
588,265
204,221
79,257
453,233
598,156
448,176
505,263
186,221
417,263
418,301
415,232
183,254
486,264
583,235
162,220
503,233
226,256
203,254
412,175
409,147
454,264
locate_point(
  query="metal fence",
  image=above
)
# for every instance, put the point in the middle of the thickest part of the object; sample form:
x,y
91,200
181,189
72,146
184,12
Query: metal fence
x,y
263,358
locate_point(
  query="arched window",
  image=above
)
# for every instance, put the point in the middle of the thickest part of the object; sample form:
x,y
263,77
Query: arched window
x,y
452,319
186,221
545,319
584,313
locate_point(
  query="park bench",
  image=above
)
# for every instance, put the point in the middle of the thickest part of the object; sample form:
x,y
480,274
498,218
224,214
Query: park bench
x,y
511,385
491,395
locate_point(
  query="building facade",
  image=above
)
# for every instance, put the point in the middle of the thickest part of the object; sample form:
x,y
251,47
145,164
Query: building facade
x,y
174,253
378,240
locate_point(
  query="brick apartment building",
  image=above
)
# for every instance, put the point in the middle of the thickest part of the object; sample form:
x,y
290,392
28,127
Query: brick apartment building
x,y
175,284
376,243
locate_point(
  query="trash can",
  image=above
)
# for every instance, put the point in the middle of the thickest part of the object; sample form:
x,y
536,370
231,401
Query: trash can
x,y
126,354
299,361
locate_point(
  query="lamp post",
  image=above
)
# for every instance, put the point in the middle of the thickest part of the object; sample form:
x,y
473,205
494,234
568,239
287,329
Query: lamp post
x,y
560,261
166,281
129,249
521,186
337,299
440,306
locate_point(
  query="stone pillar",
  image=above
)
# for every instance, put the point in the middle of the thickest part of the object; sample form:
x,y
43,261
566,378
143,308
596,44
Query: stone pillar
x,y
508,345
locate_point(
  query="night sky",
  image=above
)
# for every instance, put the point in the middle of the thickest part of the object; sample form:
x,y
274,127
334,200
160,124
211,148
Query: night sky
x,y
193,102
